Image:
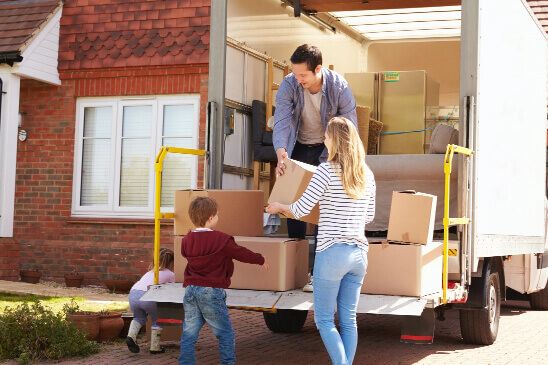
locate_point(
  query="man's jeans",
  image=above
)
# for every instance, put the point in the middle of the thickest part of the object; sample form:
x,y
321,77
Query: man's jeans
x,y
204,304
338,277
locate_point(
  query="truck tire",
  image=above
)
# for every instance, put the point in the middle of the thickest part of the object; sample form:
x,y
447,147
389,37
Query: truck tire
x,y
539,300
285,320
480,326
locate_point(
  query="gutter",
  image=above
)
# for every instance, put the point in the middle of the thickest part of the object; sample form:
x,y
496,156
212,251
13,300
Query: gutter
x,y
10,58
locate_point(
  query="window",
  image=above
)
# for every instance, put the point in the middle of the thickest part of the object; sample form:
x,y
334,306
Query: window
x,y
116,144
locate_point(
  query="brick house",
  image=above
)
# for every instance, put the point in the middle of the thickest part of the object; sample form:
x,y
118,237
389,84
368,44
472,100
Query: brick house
x,y
97,86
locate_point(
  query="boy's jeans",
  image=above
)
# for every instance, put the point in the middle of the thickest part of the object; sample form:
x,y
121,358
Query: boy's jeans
x,y
204,304
338,277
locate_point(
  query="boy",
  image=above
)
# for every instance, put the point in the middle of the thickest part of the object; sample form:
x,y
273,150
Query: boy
x,y
207,274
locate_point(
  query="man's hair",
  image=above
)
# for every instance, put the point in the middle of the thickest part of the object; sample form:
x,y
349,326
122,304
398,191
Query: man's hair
x,y
310,55
201,209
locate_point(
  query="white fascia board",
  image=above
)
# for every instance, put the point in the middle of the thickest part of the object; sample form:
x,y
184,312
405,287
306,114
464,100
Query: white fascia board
x,y
40,56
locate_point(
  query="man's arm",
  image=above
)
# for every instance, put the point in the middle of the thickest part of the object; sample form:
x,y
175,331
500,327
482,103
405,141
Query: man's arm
x,y
283,117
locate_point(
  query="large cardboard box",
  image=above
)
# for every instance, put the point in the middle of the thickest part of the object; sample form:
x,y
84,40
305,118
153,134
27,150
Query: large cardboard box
x,y
289,187
288,261
412,217
240,211
406,270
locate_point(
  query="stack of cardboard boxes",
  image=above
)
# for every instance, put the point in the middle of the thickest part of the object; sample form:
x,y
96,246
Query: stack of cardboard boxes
x,y
408,263
241,215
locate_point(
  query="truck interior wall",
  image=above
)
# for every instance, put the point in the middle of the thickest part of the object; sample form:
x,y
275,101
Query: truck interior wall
x,y
269,27
440,60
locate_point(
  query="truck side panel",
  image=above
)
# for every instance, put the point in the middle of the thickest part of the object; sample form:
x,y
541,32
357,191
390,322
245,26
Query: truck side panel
x,y
507,79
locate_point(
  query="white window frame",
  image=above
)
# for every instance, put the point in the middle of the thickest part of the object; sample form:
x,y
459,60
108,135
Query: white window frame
x,y
112,209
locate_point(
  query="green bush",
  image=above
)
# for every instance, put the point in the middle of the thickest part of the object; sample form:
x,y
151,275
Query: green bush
x,y
33,332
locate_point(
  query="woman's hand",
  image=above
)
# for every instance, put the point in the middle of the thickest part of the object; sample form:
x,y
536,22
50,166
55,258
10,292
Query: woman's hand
x,y
274,208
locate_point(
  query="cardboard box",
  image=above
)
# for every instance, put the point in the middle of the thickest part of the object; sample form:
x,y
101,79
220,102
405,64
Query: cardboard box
x,y
406,270
240,211
289,187
363,113
288,261
412,217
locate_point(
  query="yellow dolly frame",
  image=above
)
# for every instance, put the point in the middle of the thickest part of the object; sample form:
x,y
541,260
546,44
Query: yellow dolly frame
x,y
447,163
158,168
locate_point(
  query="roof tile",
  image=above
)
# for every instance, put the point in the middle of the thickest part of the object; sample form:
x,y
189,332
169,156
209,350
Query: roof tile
x,y
540,8
142,32
20,20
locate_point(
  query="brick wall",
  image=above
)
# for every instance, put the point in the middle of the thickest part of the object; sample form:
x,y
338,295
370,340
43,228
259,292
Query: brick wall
x,y
49,239
107,48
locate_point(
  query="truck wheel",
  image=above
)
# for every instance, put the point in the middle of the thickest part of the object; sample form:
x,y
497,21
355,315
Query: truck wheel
x,y
480,326
539,300
285,320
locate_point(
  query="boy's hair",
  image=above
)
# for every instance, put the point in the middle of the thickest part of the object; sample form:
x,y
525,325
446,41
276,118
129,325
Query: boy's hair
x,y
201,209
310,55
167,259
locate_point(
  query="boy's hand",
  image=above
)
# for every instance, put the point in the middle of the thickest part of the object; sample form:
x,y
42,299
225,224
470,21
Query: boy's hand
x,y
264,266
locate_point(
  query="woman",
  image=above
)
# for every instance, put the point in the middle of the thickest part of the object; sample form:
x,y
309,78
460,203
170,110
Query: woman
x,y
345,188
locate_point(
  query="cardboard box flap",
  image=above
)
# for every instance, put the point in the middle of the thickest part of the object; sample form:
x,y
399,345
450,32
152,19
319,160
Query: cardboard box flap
x,y
289,187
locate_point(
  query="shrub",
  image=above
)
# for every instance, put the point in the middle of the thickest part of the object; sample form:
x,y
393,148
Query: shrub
x,y
31,332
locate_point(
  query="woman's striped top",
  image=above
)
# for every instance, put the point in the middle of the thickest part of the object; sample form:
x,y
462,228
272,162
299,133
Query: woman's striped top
x,y
342,218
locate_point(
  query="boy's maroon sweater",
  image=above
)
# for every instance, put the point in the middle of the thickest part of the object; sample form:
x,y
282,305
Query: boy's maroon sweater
x,y
210,255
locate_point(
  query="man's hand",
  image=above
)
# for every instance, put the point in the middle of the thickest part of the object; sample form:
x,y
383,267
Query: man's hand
x,y
281,154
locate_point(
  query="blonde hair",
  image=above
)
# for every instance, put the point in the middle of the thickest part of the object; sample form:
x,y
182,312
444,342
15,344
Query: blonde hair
x,y
347,150
167,260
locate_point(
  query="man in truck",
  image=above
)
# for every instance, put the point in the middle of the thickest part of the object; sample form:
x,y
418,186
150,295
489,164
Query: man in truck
x,y
307,99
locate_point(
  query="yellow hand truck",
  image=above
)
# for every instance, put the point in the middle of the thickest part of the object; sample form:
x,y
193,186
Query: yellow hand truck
x,y
158,215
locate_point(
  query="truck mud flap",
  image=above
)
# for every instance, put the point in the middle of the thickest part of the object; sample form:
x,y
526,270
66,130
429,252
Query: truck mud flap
x,y
419,330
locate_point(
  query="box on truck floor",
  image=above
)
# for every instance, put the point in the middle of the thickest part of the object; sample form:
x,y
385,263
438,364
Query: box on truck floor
x,y
406,270
287,258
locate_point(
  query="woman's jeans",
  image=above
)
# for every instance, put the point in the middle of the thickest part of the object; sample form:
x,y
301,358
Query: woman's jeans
x,y
338,277
204,304
140,309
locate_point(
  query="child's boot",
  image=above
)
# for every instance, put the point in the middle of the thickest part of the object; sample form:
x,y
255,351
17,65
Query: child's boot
x,y
155,334
131,339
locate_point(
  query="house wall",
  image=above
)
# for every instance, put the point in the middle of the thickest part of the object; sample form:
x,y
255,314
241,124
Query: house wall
x,y
107,49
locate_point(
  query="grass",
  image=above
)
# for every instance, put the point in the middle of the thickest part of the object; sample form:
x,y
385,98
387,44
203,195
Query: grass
x,y
56,303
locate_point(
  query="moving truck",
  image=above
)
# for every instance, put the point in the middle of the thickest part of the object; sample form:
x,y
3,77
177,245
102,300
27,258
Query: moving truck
x,y
489,58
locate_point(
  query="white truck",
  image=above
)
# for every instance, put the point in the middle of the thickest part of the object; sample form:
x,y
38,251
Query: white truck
x,y
501,189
